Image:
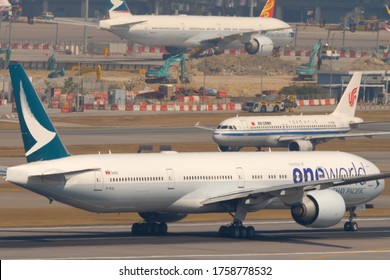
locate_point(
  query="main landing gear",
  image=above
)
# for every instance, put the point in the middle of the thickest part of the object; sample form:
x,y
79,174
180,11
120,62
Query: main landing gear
x,y
237,230
149,228
351,225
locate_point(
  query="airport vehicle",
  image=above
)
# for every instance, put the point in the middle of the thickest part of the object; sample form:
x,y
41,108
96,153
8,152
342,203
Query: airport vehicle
x,y
164,187
163,75
297,132
183,33
329,53
5,6
265,106
307,71
273,106
46,15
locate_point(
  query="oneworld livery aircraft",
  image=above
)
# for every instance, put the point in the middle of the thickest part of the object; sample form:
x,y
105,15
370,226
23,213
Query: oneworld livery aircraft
x,y
164,187
296,132
183,33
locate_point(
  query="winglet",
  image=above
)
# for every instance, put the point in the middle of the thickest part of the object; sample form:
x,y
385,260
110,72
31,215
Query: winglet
x,y
203,127
348,102
268,10
40,138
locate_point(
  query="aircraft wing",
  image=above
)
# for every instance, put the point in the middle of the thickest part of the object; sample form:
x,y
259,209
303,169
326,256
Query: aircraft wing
x,y
279,190
203,127
73,22
331,136
94,24
213,38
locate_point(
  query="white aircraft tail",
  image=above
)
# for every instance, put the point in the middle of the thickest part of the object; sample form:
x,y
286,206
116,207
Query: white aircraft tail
x,y
118,8
348,102
268,10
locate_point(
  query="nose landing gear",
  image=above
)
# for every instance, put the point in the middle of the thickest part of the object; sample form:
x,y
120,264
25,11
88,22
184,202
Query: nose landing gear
x,y
351,225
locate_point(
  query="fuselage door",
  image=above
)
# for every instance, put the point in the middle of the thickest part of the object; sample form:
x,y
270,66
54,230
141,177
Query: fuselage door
x,y
245,127
98,181
240,177
171,179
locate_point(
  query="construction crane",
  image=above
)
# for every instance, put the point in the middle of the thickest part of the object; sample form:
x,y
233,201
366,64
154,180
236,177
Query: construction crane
x,y
163,75
307,70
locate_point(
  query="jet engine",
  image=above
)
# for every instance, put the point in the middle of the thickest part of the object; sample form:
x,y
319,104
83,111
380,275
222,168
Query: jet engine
x,y
162,217
301,145
319,209
260,45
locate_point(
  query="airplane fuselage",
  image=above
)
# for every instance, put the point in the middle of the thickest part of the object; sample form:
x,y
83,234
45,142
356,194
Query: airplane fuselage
x,y
269,131
189,31
181,182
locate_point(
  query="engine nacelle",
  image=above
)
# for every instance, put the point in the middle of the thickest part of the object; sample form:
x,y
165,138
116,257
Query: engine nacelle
x,y
162,217
319,209
260,45
300,145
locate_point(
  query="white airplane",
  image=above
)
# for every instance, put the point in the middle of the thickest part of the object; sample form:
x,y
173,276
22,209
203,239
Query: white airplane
x,y
183,33
296,132
165,187
5,6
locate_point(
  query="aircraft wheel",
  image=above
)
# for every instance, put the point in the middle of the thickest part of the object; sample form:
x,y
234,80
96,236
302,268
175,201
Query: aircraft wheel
x,y
135,228
223,148
354,226
250,232
155,229
163,228
347,226
243,232
235,232
222,231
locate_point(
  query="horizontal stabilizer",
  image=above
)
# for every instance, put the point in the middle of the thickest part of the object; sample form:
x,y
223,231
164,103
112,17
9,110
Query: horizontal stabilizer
x,y
3,171
56,172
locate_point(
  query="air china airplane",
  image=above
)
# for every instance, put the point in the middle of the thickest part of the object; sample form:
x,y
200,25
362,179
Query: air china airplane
x,y
296,132
318,186
182,33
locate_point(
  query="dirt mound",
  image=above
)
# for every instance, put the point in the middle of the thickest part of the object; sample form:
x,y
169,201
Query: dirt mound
x,y
369,63
241,65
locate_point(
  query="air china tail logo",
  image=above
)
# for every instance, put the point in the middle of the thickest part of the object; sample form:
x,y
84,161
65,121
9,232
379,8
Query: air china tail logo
x,y
352,97
268,10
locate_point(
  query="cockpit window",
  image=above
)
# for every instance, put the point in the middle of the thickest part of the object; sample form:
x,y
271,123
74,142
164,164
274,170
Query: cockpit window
x,y
224,127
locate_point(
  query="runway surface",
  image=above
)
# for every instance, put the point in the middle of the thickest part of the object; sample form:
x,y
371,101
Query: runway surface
x,y
274,240
141,135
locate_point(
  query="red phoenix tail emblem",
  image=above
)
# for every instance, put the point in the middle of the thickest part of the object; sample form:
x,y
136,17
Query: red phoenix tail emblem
x,y
352,97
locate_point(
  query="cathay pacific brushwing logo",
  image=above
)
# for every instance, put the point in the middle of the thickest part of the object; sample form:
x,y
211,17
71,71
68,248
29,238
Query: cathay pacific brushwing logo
x,y
118,6
41,135
352,97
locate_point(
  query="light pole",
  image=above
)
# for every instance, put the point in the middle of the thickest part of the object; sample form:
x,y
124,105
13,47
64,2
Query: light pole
x,y
85,27
261,66
331,68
